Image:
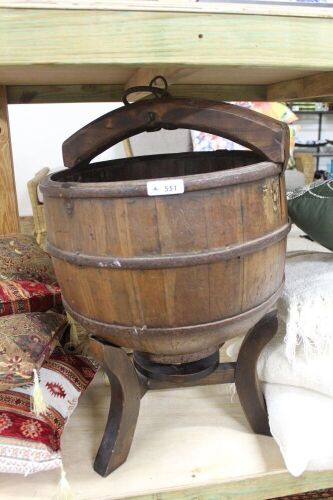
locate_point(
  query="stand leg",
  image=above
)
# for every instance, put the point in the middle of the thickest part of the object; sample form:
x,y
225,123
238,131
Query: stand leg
x,y
246,378
124,408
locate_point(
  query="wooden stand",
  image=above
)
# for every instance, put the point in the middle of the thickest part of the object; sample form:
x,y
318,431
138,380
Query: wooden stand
x,y
130,380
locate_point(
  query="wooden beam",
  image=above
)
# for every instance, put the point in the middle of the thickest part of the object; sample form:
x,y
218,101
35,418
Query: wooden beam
x,y
48,94
9,220
49,37
221,92
315,86
40,94
143,76
178,6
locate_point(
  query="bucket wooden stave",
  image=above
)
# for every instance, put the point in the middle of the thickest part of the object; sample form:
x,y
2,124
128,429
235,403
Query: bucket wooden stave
x,y
170,275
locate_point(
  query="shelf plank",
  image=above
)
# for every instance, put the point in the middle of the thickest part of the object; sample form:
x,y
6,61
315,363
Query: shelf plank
x,y
38,41
143,76
40,94
264,8
309,87
189,443
9,221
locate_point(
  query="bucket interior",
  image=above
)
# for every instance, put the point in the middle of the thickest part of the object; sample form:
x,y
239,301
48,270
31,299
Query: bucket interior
x,y
158,166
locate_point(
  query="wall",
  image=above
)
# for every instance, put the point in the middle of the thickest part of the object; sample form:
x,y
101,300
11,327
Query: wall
x,y
38,131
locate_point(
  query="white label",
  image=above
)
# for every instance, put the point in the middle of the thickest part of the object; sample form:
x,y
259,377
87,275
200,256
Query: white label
x,y
169,186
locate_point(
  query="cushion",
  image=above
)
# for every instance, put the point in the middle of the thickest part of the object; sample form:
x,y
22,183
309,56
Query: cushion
x,y
27,280
26,340
29,444
301,423
311,209
299,398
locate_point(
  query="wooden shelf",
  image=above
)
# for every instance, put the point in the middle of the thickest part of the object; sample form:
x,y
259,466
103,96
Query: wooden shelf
x,y
221,55
329,112
189,443
90,50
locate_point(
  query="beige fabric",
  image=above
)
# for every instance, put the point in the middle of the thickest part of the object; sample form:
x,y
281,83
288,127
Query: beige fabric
x,y
305,163
37,206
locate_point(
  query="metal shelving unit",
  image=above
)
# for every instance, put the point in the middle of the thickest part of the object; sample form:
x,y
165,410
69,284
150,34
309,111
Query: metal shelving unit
x,y
318,154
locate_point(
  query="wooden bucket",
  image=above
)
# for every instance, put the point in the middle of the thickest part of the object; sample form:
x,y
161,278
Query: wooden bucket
x,y
174,276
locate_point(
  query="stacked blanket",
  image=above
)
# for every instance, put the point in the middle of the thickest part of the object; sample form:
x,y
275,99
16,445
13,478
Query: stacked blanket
x,y
306,305
296,367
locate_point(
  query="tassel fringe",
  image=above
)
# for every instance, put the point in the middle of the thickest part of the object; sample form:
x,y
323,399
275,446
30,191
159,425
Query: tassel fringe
x,y
306,306
64,491
232,391
309,327
74,337
105,378
38,403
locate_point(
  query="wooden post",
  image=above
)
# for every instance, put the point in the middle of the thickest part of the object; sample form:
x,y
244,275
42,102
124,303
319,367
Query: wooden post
x,y
9,219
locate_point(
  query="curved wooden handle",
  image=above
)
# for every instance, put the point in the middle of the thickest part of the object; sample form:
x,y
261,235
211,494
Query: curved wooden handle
x,y
253,130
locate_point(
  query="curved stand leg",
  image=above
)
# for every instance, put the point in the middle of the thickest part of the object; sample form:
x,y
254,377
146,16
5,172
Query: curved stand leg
x,y
246,378
124,408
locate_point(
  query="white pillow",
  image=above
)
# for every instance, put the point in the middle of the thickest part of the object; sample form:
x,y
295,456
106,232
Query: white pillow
x,y
301,423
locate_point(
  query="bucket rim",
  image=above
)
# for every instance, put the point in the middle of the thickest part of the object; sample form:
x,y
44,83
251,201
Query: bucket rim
x,y
138,188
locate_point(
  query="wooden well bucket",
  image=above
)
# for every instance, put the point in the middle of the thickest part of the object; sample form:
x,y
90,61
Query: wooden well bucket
x,y
174,276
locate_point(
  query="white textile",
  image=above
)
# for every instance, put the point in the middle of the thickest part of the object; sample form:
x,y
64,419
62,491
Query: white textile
x,y
306,305
301,423
296,366
299,398
314,373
